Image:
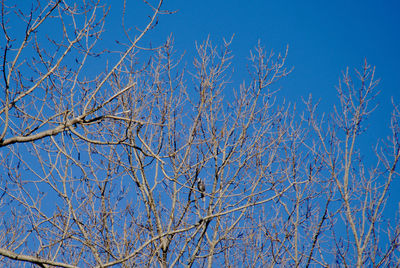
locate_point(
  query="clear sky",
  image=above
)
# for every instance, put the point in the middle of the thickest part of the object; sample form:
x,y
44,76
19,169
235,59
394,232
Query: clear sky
x,y
324,37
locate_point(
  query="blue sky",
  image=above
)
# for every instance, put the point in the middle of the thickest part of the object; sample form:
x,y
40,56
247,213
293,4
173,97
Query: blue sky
x,y
324,37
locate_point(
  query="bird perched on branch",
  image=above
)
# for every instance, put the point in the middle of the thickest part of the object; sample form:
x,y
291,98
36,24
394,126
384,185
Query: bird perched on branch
x,y
202,187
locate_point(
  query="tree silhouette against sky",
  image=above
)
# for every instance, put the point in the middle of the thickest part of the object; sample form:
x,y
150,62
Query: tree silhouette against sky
x,y
109,128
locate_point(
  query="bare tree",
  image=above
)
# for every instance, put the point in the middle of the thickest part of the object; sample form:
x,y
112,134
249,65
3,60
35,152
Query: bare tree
x,y
126,156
